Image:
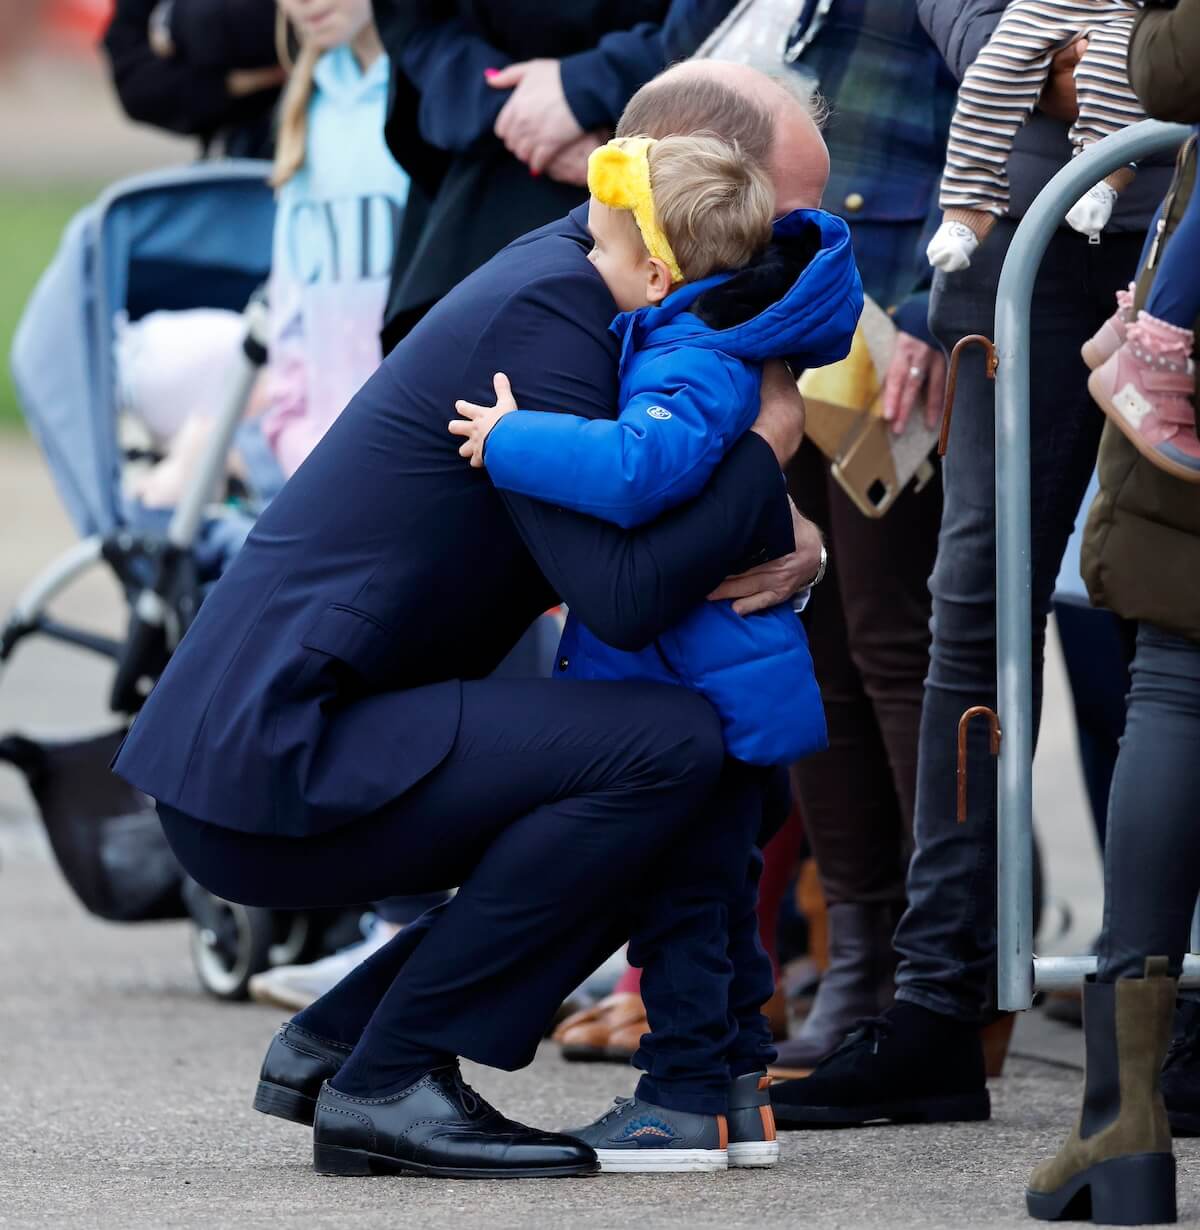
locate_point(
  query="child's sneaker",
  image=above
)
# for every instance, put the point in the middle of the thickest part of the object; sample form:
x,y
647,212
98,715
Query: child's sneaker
x,y
1146,388
636,1137
1110,337
752,1122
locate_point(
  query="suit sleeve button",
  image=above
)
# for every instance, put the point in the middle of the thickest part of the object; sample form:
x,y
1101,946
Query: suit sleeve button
x,y
854,202
563,663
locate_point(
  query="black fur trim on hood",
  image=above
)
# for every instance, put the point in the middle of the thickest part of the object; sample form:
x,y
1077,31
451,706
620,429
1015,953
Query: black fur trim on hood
x,y
754,289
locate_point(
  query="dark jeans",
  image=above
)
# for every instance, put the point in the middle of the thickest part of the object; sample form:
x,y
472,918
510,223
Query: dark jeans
x,y
1097,647
558,813
868,630
705,988
947,937
1152,861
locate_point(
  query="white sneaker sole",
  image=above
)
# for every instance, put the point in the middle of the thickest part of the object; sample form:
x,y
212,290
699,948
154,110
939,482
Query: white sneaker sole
x,y
748,1153
278,996
661,1161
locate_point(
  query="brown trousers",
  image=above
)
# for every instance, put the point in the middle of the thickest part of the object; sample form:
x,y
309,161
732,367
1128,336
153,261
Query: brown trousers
x,y
868,628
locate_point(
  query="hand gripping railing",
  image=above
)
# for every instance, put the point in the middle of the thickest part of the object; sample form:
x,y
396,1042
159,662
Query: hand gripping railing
x,y
1020,972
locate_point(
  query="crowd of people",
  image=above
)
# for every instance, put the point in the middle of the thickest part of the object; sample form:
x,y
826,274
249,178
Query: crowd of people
x,y
611,259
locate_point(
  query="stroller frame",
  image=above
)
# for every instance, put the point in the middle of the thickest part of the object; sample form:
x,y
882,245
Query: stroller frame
x,y
161,610
1020,972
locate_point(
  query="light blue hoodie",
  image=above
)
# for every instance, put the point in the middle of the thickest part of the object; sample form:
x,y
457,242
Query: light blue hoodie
x,y
334,244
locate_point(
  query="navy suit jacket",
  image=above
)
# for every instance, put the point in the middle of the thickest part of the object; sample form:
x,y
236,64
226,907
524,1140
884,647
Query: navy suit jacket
x,y
321,678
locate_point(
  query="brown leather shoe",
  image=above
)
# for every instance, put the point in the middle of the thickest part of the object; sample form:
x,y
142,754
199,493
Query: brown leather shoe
x,y
586,1035
624,1041
597,1012
775,1010
995,1038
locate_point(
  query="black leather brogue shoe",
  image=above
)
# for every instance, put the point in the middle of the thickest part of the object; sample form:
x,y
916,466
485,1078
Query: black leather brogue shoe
x,y
296,1065
439,1127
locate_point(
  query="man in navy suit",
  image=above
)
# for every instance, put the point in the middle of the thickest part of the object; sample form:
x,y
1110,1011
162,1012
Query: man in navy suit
x,y
326,734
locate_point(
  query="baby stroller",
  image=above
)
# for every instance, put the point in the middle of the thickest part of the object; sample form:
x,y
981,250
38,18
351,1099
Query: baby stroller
x,y
196,237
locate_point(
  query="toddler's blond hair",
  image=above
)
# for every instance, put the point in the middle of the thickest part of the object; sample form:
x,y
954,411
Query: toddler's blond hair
x,y
714,203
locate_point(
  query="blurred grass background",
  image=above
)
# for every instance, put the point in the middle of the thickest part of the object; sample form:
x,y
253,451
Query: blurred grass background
x,y
31,221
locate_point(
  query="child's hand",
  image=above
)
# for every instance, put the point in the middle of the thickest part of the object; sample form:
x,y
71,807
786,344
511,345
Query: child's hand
x,y
477,421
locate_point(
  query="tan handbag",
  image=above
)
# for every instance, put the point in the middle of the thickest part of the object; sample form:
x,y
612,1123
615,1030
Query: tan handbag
x,y
845,420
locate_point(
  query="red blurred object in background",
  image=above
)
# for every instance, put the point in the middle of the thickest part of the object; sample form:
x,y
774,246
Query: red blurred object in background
x,y
75,23
57,25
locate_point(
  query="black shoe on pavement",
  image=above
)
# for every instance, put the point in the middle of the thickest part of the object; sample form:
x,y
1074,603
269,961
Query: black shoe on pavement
x,y
909,1065
1180,1082
439,1126
296,1065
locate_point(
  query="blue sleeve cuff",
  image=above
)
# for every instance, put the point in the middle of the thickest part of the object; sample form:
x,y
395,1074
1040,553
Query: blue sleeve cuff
x,y
598,83
912,317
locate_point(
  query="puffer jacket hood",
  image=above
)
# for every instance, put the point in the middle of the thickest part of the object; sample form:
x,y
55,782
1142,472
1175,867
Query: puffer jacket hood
x,y
799,301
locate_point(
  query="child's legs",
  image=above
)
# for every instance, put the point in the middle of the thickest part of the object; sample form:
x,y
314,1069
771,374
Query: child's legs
x,y
681,942
1106,101
1175,295
753,979
752,956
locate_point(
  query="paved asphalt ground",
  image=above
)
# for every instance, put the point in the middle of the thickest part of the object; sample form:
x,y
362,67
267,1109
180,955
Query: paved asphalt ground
x,y
125,1091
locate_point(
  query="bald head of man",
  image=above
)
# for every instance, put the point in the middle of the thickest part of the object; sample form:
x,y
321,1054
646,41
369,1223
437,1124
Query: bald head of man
x,y
739,103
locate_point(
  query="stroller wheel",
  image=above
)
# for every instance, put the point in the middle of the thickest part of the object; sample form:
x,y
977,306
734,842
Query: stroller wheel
x,y
293,939
230,943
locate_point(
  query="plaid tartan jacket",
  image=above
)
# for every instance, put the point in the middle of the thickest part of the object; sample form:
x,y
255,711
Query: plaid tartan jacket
x,y
891,97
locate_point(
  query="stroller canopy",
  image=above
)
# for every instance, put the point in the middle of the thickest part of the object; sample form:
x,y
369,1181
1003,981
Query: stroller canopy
x,y
195,237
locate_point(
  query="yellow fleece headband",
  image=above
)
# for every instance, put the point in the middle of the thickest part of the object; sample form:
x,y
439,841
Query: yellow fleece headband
x,y
619,177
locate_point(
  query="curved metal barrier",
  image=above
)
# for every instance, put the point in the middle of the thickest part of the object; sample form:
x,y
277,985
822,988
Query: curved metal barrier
x,y
1020,972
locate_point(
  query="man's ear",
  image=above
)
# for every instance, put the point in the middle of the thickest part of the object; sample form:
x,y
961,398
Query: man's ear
x,y
658,280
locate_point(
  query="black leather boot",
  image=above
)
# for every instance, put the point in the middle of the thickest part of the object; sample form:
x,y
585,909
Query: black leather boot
x,y
858,983
439,1126
1181,1071
296,1065
907,1066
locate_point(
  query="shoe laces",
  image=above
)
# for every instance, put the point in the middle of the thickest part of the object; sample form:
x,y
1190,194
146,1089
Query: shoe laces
x,y
471,1101
618,1109
866,1031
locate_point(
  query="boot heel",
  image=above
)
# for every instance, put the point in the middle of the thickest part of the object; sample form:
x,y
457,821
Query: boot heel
x,y
334,1159
1134,1191
284,1103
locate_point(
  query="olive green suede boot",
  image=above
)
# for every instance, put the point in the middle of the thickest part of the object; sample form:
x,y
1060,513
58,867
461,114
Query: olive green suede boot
x,y
1117,1168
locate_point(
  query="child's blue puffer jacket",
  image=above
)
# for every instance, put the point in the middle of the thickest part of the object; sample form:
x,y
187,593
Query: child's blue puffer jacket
x,y
690,377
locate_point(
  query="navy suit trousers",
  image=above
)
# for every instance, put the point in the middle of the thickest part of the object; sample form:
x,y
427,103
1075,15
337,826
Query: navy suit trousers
x,y
556,812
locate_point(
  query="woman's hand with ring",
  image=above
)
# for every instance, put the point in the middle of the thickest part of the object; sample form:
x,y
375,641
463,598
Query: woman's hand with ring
x,y
914,367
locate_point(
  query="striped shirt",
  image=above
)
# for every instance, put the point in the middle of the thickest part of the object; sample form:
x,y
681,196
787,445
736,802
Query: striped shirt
x,y
1001,89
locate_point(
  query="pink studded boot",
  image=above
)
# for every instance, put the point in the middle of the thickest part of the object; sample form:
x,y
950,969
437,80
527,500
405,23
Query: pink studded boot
x,y
1146,389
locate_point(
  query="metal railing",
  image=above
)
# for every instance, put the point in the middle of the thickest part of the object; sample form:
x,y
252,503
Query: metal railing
x,y
1020,971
